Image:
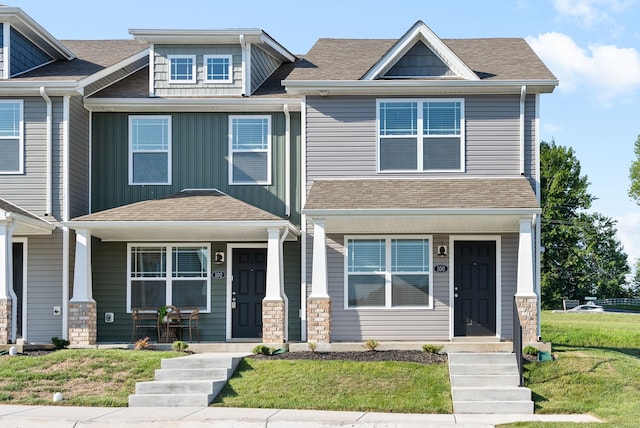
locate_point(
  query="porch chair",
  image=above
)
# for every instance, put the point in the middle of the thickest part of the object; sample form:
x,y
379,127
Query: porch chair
x,y
171,326
144,319
189,320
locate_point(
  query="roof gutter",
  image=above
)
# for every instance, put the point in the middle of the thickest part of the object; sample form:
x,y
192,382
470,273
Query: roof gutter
x,y
252,104
419,212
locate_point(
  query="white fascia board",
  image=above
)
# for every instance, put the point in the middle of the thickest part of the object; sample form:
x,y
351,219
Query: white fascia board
x,y
420,31
225,36
42,225
277,48
108,70
419,212
191,104
102,225
35,32
368,87
32,88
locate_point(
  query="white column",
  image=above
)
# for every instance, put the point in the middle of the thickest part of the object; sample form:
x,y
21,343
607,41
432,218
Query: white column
x,y
82,286
6,259
319,283
525,259
274,265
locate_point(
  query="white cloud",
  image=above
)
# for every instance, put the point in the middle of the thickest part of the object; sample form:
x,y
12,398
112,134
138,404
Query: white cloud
x,y
591,12
609,72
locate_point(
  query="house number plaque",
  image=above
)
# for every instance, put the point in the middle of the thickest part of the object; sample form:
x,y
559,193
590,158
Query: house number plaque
x,y
219,274
441,268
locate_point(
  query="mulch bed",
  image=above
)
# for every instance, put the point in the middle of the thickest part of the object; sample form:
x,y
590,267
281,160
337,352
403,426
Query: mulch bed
x,y
360,356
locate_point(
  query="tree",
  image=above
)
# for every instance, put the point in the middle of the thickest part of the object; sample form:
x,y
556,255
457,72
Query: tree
x,y
634,287
582,255
634,174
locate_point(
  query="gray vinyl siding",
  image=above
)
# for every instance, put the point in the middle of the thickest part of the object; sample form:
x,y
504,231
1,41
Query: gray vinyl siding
x,y
509,281
420,61
200,88
262,65
24,54
2,48
78,158
531,162
116,76
341,137
109,264
28,190
44,287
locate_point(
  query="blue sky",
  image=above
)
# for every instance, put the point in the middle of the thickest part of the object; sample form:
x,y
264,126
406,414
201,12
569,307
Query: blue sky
x,y
592,46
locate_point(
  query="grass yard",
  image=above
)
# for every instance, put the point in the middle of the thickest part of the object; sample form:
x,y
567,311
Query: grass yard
x,y
86,377
398,387
597,369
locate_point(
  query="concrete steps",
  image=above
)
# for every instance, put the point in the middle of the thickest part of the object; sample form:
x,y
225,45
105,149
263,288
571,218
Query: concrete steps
x,y
487,383
192,381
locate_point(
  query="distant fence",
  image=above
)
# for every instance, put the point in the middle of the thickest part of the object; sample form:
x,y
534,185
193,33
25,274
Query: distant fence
x,y
619,302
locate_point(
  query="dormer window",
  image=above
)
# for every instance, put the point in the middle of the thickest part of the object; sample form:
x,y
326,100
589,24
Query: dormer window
x,y
182,68
218,68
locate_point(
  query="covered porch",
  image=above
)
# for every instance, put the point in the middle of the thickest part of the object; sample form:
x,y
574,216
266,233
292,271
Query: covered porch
x,y
196,248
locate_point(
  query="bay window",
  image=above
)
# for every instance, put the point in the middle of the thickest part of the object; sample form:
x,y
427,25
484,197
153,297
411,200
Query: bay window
x,y
388,272
420,135
174,274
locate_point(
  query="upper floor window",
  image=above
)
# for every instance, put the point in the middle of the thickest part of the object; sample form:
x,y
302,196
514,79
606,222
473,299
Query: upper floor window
x,y
182,68
388,272
250,149
218,68
149,149
11,137
421,135
172,274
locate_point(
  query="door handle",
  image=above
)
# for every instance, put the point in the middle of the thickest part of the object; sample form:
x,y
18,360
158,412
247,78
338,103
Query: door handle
x,y
455,295
233,303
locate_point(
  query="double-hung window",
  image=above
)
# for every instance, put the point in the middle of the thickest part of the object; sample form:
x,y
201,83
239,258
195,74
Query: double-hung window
x,y
388,272
175,274
218,68
420,135
149,149
249,149
182,68
11,137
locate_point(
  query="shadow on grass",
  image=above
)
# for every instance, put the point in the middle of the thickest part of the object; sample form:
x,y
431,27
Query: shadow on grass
x,y
632,352
228,390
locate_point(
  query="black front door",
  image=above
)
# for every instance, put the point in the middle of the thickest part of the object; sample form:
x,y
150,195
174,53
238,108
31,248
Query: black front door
x,y
18,253
474,283
247,291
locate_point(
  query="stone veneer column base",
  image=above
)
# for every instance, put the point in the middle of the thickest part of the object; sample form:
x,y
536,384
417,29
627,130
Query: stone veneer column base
x,y
273,320
5,321
528,313
83,323
319,320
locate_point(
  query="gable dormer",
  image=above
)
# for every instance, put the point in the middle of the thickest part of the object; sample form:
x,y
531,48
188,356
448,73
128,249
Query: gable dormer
x,y
420,54
25,45
197,63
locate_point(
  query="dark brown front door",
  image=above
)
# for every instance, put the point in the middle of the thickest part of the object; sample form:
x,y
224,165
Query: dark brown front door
x,y
474,283
247,291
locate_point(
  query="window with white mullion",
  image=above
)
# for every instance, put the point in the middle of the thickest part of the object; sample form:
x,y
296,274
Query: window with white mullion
x,y
250,149
11,137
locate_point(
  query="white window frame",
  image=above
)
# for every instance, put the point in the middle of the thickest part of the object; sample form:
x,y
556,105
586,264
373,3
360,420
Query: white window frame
x,y
420,137
194,69
168,150
267,150
168,277
20,138
387,272
205,67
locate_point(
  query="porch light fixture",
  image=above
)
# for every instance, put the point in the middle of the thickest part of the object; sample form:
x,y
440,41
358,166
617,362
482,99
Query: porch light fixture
x,y
218,257
442,251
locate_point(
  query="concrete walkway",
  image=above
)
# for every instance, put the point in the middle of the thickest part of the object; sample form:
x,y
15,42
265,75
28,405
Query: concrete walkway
x,y
98,417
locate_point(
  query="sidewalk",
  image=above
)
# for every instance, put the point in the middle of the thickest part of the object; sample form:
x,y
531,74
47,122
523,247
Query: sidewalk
x,y
227,417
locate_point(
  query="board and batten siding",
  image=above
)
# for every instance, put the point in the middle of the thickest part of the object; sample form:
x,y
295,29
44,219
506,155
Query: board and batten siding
x,y
44,287
28,190
78,158
341,138
199,161
262,65
200,87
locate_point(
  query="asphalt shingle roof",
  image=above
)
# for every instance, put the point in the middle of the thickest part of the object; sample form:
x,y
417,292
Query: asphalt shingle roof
x,y
480,193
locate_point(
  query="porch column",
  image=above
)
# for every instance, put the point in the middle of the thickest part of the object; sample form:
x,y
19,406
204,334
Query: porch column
x,y
274,307
526,298
7,295
319,302
83,314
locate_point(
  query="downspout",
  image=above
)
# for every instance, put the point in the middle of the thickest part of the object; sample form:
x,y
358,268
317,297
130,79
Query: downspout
x,y
65,216
287,161
303,220
523,96
152,70
49,162
245,65
539,216
282,292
